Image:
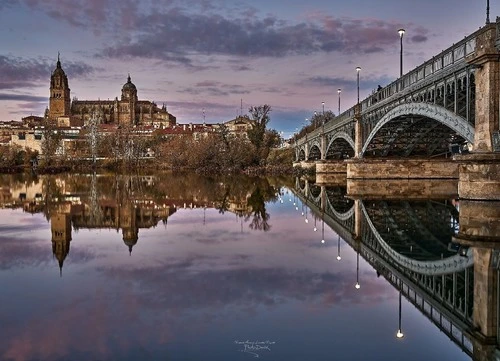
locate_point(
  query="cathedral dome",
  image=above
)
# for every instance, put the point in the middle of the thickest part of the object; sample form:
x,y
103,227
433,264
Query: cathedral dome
x,y
58,77
129,85
129,91
58,71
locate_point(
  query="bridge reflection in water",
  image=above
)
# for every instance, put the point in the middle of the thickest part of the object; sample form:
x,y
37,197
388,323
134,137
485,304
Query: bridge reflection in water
x,y
419,246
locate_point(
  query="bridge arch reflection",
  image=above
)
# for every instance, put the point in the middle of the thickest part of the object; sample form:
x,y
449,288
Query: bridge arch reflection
x,y
400,239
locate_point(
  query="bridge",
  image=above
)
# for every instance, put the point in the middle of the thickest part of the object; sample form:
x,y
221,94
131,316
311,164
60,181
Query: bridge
x,y
410,128
413,244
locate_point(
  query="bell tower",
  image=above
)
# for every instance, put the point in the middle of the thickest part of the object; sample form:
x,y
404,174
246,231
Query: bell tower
x,y
60,225
59,101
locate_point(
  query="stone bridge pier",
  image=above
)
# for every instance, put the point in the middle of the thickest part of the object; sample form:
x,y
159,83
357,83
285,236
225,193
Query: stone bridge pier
x,y
479,172
480,230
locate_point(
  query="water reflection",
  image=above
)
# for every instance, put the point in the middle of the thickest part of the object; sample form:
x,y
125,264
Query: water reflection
x,y
197,281
128,203
446,269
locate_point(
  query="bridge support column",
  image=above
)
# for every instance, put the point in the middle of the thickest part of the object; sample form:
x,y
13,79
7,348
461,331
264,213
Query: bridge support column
x,y
479,172
323,199
480,229
358,130
358,219
485,308
323,144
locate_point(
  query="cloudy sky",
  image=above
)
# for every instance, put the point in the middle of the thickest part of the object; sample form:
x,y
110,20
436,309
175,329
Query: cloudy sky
x,y
211,55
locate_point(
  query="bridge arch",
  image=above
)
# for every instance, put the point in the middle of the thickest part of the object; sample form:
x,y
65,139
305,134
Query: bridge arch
x,y
301,154
448,265
345,148
314,151
427,110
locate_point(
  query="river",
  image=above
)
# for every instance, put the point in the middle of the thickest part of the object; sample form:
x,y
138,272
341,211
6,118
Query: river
x,y
184,267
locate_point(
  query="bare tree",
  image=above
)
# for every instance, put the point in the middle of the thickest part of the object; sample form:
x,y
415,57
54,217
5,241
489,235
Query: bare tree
x,y
51,142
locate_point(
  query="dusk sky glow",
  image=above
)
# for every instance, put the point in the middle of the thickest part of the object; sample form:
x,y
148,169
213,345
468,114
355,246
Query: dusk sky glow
x,y
196,55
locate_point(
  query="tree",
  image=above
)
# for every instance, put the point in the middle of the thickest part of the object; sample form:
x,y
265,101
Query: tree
x,y
319,118
260,118
93,134
51,142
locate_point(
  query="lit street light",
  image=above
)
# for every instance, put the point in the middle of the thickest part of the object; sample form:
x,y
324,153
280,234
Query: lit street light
x,y
339,91
399,334
401,33
338,249
357,286
358,69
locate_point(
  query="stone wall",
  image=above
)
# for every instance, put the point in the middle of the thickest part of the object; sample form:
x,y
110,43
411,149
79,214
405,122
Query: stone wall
x,y
401,169
331,166
406,188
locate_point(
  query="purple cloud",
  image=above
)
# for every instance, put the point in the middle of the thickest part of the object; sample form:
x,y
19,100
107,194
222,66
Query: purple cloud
x,y
22,73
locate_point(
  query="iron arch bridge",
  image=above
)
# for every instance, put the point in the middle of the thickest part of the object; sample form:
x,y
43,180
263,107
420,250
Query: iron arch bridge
x,y
392,228
434,278
424,113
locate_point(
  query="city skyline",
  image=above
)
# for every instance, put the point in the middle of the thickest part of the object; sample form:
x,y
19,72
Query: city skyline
x,y
205,58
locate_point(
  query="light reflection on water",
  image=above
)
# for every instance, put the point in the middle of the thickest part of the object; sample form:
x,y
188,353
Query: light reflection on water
x,y
183,267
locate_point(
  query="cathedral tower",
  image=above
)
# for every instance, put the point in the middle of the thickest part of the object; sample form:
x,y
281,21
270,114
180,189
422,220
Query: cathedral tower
x,y
60,225
129,102
60,101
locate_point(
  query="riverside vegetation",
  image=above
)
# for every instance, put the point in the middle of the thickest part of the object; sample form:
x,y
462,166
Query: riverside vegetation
x,y
219,152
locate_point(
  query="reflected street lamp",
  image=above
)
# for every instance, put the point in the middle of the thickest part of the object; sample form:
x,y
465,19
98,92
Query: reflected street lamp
x,y
357,286
338,249
401,32
339,91
358,69
399,334
322,229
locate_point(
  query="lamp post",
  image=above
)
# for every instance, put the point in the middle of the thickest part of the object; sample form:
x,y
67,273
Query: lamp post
x,y
338,249
399,334
401,33
339,91
322,229
323,104
357,286
358,69
487,11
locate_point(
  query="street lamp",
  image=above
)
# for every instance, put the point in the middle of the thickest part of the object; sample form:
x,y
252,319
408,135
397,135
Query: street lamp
x,y
323,104
399,334
338,249
322,229
487,11
358,69
357,286
339,91
401,33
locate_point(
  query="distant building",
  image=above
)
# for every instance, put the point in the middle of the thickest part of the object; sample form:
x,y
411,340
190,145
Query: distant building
x,y
239,126
126,111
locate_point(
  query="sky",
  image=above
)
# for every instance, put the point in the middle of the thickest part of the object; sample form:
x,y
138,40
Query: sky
x,y
217,58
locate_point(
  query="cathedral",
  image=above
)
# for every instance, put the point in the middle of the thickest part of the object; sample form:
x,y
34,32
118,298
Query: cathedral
x,y
126,111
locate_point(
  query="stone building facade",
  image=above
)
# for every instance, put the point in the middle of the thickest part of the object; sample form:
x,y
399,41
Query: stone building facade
x,y
126,111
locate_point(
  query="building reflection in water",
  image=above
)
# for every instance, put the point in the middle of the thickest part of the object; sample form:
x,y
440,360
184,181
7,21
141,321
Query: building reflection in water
x,y
409,231
434,263
131,203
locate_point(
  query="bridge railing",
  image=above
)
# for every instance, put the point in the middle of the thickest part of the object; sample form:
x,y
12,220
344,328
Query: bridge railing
x,y
456,53
432,68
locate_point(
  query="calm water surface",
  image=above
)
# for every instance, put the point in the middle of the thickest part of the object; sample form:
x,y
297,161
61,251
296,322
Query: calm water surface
x,y
163,267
